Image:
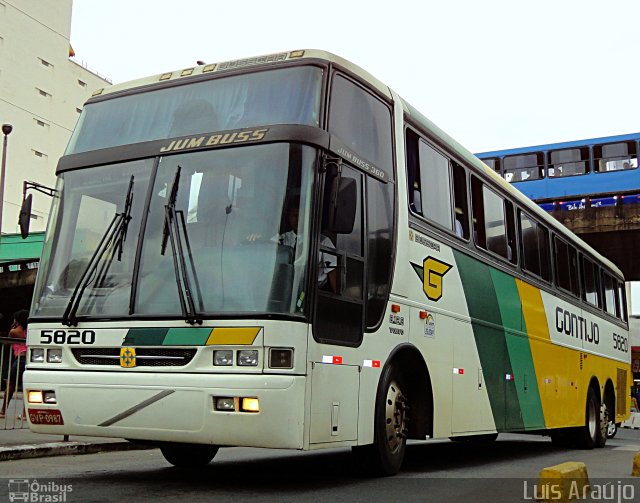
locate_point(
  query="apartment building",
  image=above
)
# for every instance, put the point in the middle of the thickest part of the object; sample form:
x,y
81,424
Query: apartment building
x,y
42,91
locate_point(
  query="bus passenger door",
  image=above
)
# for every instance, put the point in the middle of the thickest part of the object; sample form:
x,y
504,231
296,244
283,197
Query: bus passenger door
x,y
339,308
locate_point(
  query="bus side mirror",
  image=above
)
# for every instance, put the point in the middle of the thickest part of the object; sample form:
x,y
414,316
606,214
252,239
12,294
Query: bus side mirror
x,y
344,208
24,220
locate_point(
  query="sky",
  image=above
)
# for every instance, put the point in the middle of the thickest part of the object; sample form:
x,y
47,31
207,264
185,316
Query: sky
x,y
492,73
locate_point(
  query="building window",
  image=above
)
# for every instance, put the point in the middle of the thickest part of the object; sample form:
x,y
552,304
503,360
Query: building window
x,y
79,110
41,123
39,154
45,63
81,83
44,94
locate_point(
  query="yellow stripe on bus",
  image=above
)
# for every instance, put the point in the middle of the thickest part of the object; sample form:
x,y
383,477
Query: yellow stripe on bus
x,y
562,398
233,336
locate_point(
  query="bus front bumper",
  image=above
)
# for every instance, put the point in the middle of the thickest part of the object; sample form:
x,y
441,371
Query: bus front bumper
x,y
170,407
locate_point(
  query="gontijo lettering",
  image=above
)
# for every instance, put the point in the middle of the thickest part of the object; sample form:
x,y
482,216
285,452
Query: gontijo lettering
x,y
576,326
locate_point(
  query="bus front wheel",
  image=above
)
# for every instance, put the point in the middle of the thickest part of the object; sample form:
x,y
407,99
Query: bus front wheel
x,y
188,455
384,457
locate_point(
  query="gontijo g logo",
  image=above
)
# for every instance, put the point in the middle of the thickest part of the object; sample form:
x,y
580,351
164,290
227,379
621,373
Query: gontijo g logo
x,y
431,274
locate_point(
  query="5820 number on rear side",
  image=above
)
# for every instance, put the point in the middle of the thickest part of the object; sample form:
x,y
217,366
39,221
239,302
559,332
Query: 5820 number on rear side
x,y
67,337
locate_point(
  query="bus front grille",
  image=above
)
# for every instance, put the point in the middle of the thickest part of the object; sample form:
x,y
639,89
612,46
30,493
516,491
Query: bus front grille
x,y
145,357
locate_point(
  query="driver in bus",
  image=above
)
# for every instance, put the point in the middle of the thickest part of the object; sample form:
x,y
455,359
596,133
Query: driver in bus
x,y
327,262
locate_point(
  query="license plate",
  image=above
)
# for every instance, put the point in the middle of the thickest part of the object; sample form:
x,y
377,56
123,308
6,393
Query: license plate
x,y
45,416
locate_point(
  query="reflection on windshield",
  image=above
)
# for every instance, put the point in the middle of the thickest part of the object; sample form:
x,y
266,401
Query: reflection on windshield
x,y
229,213
234,202
282,96
90,201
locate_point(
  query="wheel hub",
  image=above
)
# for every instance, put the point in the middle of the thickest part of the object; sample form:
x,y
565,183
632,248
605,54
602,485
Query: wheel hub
x,y
395,417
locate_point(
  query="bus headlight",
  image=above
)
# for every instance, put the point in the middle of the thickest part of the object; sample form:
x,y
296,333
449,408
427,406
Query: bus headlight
x,y
248,358
225,403
54,355
223,357
37,355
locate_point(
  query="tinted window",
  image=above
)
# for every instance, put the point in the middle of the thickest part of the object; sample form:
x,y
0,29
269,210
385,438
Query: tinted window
x,y
535,247
493,163
489,221
590,282
518,168
461,209
380,248
362,122
568,162
615,156
283,96
610,294
622,300
435,185
566,267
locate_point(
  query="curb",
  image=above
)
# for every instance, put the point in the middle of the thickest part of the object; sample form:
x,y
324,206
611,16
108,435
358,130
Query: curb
x,y
65,449
561,483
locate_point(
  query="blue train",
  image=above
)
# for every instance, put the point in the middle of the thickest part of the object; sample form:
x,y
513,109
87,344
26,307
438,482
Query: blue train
x,y
575,174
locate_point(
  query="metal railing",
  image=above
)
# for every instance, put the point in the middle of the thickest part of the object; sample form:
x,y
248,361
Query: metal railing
x,y
12,369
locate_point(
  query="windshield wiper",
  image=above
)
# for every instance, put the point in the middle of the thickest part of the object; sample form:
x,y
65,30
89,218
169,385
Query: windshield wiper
x,y
171,233
113,238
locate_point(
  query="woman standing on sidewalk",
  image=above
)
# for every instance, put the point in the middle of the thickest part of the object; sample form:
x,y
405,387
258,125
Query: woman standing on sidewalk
x,y
14,375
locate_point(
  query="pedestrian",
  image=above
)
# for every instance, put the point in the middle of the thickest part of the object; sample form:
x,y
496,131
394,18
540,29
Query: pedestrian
x,y
19,352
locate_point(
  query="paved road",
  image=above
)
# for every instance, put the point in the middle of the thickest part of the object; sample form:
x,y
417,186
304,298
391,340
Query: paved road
x,y
435,471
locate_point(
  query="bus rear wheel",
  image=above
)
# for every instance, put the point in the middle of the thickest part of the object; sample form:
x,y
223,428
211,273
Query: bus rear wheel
x,y
590,435
384,457
188,455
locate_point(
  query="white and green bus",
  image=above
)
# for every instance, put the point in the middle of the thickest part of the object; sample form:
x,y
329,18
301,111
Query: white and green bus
x,y
280,252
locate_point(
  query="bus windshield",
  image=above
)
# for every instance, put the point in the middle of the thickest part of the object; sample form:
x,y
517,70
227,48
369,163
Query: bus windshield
x,y
231,209
281,96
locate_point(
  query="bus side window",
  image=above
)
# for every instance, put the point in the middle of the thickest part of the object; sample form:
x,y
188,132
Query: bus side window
x,y
461,209
413,172
534,240
493,222
362,122
566,262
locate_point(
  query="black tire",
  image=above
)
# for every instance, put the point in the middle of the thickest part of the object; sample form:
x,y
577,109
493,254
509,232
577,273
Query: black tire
x,y
188,455
612,429
589,435
384,457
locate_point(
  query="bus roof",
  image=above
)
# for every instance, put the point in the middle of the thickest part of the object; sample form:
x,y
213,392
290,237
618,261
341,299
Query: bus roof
x,y
560,145
253,62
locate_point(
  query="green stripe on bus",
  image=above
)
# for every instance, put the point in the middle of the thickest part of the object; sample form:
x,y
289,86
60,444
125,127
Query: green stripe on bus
x,y
145,337
194,336
494,305
527,402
